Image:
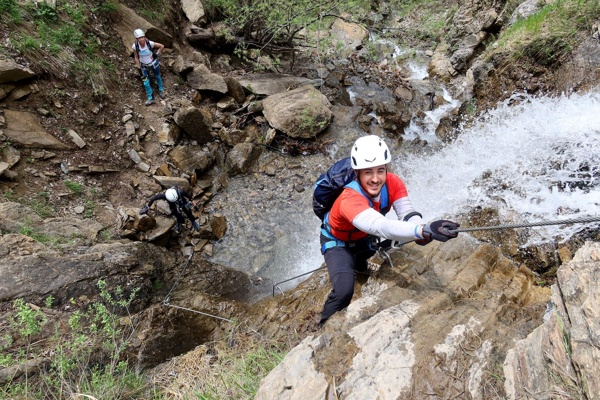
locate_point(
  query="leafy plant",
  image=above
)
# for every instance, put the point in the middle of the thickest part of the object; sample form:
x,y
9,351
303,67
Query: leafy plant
x,y
86,358
9,11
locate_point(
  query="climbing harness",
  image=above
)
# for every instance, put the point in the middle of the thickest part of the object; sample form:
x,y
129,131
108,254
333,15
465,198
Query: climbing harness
x,y
167,300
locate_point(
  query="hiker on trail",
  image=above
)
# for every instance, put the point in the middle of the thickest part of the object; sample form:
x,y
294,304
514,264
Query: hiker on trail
x,y
357,216
145,53
178,200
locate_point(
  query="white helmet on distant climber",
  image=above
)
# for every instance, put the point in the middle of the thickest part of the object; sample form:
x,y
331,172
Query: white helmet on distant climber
x,y
172,195
138,33
368,152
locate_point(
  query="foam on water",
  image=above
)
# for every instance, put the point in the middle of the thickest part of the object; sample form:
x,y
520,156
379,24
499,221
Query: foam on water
x,y
541,160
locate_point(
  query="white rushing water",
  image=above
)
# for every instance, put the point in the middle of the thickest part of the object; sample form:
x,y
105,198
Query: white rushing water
x,y
541,159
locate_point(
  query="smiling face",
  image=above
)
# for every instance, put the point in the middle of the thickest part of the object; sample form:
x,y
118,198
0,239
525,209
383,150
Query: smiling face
x,y
142,41
372,179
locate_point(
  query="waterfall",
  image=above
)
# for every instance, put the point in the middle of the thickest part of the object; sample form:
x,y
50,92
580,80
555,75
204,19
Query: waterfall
x,y
533,159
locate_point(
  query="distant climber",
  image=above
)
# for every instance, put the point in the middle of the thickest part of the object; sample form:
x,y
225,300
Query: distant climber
x,y
358,214
145,53
179,200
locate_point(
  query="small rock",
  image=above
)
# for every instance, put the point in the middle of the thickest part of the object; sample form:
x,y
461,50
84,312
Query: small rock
x,y
79,209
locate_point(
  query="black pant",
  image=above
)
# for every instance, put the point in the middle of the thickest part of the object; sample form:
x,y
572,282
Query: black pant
x,y
180,218
341,263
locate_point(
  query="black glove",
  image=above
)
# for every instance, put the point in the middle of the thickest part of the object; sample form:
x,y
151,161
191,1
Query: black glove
x,y
423,242
144,210
141,73
440,230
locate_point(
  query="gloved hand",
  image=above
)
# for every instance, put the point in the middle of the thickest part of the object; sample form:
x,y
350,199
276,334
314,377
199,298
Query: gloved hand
x,y
141,73
144,210
440,230
423,242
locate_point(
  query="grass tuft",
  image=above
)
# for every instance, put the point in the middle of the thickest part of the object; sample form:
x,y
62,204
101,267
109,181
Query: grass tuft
x,y
226,369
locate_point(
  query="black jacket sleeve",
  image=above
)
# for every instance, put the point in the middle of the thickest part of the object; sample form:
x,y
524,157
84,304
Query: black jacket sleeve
x,y
160,196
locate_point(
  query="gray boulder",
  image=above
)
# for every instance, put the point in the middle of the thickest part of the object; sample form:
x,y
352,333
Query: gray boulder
x,y
201,78
304,112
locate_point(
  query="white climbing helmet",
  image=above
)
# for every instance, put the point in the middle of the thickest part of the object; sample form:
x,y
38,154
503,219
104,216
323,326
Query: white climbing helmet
x,y
368,152
172,195
138,33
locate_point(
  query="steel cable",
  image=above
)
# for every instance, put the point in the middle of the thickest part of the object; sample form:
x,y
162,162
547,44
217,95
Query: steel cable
x,y
528,225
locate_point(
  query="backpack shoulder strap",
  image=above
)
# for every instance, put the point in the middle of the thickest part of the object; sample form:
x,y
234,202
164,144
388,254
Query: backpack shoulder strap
x,y
385,197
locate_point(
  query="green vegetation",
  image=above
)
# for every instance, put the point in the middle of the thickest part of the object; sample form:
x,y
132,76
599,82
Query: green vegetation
x,y
60,39
41,205
236,367
277,22
241,375
550,34
74,187
87,354
35,234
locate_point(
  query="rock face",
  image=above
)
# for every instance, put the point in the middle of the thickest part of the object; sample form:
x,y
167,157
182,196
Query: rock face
x,y
303,112
560,358
439,322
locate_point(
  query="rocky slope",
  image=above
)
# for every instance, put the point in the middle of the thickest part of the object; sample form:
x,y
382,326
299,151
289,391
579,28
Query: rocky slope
x,y
76,168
